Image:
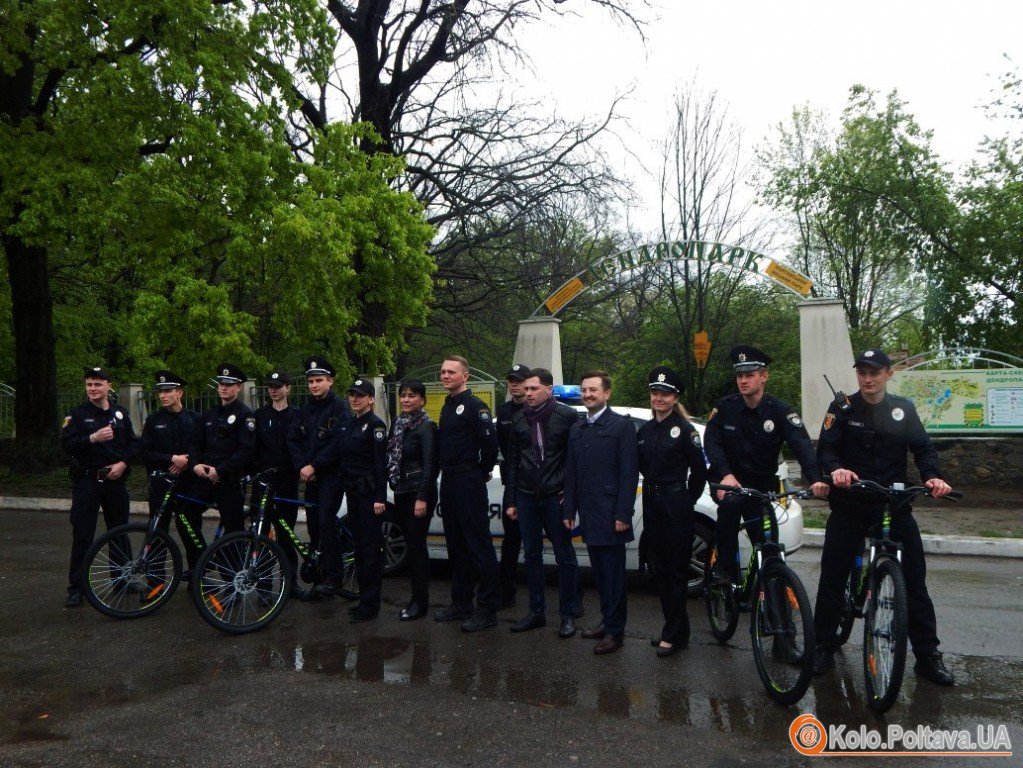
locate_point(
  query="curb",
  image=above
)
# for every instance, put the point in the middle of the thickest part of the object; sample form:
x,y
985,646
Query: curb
x,y
139,508
967,546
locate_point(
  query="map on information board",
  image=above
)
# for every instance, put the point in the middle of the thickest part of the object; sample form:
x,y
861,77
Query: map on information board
x,y
989,400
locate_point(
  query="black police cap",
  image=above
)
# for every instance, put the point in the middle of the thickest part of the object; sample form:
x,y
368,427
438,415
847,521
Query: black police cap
x,y
746,358
96,373
318,366
517,372
168,380
665,379
363,387
277,378
875,358
228,373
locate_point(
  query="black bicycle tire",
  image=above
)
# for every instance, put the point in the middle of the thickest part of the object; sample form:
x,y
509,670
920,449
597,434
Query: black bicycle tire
x,y
209,605
795,591
713,596
139,607
349,571
845,626
883,700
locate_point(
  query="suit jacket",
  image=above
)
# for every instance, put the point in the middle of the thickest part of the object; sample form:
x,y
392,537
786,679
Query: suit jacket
x,y
601,475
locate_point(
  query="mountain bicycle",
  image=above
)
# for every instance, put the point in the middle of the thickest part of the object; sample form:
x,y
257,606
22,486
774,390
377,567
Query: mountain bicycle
x,y
876,593
126,574
243,581
778,603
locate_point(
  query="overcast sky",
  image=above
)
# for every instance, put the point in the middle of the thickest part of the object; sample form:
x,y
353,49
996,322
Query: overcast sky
x,y
764,58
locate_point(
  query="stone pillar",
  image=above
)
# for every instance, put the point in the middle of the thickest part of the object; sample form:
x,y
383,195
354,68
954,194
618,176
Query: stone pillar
x,y
825,348
130,396
248,393
380,401
539,345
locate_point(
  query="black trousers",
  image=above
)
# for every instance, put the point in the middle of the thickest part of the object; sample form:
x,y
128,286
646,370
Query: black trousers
x,y
607,562
416,530
844,535
369,546
668,526
324,498
464,507
191,512
511,545
88,496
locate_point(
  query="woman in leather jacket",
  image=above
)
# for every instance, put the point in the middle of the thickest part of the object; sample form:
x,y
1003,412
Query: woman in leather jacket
x,y
412,469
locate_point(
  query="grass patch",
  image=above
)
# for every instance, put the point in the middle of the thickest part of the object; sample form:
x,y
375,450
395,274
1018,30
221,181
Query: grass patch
x,y
813,518
1000,534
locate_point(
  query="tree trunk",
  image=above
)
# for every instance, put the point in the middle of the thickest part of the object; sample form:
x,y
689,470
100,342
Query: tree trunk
x,y
35,402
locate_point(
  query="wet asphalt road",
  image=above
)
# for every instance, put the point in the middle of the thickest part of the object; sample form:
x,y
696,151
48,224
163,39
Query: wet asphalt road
x,y
77,688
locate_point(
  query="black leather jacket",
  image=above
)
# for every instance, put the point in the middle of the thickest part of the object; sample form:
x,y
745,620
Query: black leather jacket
x,y
521,472
419,461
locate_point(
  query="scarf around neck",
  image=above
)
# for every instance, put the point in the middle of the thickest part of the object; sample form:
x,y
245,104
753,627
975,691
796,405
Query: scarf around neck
x,y
406,422
537,418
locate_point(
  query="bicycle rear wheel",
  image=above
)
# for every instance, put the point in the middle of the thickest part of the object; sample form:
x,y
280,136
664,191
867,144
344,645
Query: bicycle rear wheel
x,y
781,628
241,582
845,626
885,626
126,572
722,604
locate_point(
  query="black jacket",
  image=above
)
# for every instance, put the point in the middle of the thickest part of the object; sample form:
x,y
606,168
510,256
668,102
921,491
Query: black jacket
x,y
419,461
167,434
521,472
85,419
311,436
226,439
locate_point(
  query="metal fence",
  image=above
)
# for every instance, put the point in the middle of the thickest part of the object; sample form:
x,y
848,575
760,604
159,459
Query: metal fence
x,y
6,411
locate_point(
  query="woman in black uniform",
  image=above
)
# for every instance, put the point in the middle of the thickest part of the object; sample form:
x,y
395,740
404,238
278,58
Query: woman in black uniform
x,y
412,469
674,472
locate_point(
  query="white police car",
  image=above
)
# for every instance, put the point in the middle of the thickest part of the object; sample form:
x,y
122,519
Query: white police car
x,y
790,524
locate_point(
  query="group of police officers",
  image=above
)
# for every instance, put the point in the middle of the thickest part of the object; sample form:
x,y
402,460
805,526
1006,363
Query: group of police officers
x,y
337,448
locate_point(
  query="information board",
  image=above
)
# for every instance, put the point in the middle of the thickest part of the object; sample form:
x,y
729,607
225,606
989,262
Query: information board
x,y
982,401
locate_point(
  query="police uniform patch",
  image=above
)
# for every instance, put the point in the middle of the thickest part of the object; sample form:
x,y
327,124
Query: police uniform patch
x,y
484,416
378,433
231,419
460,410
769,426
250,423
794,419
118,414
695,437
898,414
829,419
67,420
675,432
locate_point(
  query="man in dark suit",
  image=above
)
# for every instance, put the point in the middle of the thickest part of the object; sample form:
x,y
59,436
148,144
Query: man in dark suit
x,y
601,475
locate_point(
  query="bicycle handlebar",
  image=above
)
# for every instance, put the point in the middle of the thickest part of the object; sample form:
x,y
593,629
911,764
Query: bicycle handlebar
x,y
898,491
762,495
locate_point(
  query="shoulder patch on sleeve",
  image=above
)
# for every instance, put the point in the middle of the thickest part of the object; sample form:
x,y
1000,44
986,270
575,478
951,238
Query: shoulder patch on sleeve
x,y
794,419
695,437
829,419
484,414
378,433
250,422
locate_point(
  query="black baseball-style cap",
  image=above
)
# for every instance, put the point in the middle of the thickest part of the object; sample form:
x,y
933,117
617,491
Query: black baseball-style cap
x,y
363,387
277,378
746,358
96,373
665,379
228,373
875,358
517,372
318,366
168,380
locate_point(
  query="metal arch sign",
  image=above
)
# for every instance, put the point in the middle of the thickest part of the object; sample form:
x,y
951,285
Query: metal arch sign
x,y
678,250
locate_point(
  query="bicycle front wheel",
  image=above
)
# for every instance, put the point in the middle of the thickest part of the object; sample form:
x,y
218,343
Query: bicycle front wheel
x,y
845,626
885,626
781,628
127,573
349,569
241,582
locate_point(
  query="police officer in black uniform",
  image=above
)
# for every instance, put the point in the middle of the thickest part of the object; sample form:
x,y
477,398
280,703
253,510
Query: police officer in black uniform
x,y
511,544
169,437
227,439
468,450
313,447
744,435
100,439
273,422
870,437
674,473
362,447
